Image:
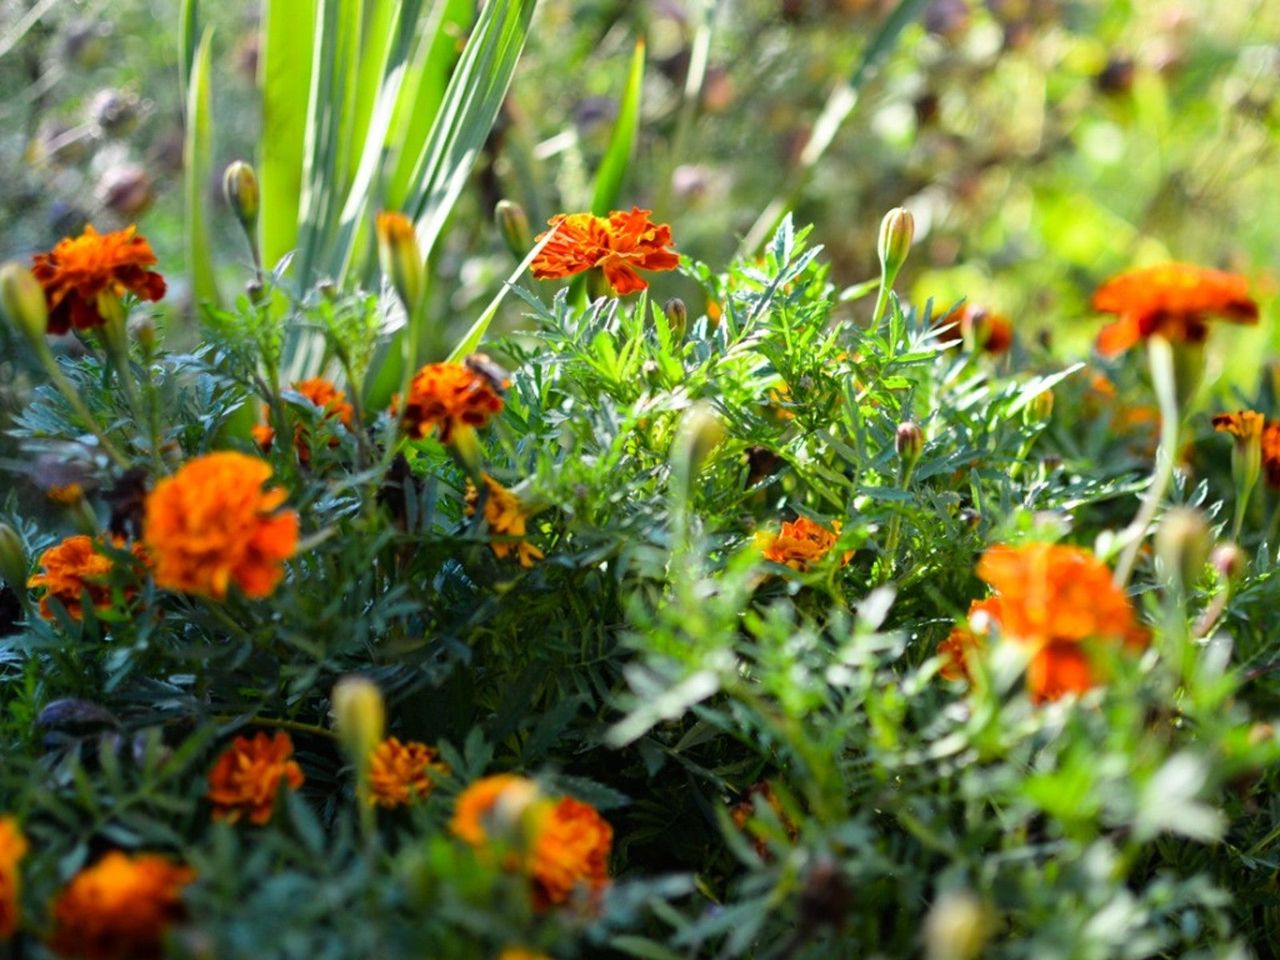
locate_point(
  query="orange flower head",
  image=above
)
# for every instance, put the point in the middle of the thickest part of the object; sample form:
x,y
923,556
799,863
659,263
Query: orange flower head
x,y
1054,592
570,852
400,773
987,330
800,544
119,908
71,569
491,806
1244,425
1173,300
212,524
521,953
448,397
968,639
65,494
1058,669
13,847
506,518
619,245
247,776
331,400
80,270
1271,454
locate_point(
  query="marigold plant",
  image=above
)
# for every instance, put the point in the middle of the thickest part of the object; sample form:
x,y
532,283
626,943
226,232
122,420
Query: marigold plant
x,y
212,524
800,543
248,775
120,908
321,392
78,271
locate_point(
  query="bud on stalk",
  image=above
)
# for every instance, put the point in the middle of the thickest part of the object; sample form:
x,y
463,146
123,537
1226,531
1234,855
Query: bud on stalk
x,y
359,716
13,559
897,230
22,302
909,442
240,188
400,257
1182,544
513,226
677,315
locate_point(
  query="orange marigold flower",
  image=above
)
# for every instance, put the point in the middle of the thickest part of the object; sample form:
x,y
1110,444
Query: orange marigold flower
x,y
447,397
247,776
119,908
618,245
570,852
561,845
1174,300
65,494
212,524
324,395
13,847
1054,592
967,639
1243,425
987,330
400,773
1054,599
521,953
742,812
505,516
79,270
800,543
72,568
1271,454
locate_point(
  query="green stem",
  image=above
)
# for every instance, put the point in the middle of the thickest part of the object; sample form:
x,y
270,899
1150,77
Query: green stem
x,y
1162,376
296,725
69,392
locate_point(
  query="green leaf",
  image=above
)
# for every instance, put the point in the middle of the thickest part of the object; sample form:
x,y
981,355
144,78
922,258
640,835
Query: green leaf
x,y
287,35
617,158
198,152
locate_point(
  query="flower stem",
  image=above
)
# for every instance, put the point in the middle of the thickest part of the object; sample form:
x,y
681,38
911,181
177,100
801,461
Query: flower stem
x,y
1162,375
69,392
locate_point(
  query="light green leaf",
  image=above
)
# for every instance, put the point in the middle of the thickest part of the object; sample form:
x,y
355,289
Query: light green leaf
x,y
617,158
197,152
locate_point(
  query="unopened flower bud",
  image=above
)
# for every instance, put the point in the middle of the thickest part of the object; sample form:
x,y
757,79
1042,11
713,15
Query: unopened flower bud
x,y
240,188
700,430
897,230
1228,560
1039,409
22,301
126,190
359,716
1182,544
909,442
144,331
957,927
13,559
677,315
513,226
400,257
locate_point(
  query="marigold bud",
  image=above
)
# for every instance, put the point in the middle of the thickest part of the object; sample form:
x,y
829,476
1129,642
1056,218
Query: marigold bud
x,y
700,430
22,301
909,442
13,558
359,716
240,188
400,257
897,230
513,226
1228,560
1039,409
677,315
1182,544
957,927
144,331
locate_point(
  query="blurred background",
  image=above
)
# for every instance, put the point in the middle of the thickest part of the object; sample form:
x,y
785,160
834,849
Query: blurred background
x,y
1042,144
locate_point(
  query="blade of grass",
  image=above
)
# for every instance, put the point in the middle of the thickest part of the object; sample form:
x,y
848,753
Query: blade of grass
x,y
471,339
836,111
617,158
198,154
287,36
188,36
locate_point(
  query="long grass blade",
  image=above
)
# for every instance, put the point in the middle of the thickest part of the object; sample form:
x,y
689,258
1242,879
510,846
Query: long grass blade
x,y
197,152
287,37
471,339
622,142
188,37
837,110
